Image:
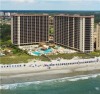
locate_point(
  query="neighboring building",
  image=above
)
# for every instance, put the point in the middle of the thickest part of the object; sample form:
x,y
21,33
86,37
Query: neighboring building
x,y
95,38
29,28
98,37
1,13
7,14
74,31
95,35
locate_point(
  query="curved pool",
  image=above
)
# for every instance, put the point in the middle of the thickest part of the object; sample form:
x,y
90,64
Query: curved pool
x,y
40,52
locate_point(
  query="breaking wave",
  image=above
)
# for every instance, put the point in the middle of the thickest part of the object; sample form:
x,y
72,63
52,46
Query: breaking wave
x,y
74,78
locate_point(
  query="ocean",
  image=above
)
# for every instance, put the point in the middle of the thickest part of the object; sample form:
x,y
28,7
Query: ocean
x,y
82,84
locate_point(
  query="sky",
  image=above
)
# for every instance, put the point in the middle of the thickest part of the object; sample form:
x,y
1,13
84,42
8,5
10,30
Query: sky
x,y
49,4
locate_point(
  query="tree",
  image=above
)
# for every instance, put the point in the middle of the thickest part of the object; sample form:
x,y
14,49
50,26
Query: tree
x,y
51,30
5,32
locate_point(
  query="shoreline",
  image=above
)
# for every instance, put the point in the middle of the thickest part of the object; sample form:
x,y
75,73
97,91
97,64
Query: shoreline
x,y
46,77
39,70
48,74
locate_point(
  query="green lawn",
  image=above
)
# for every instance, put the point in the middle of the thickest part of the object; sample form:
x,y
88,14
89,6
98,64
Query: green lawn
x,y
68,56
95,53
19,58
14,59
23,58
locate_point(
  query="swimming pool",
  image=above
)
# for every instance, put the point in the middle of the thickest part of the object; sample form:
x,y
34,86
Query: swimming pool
x,y
38,53
47,51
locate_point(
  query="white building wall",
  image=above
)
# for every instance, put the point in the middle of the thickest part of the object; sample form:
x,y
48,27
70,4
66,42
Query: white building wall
x,y
92,30
73,30
18,30
68,31
82,34
12,30
98,37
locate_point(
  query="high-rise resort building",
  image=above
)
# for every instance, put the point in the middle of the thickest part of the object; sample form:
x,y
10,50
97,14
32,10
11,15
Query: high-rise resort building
x,y
74,31
29,29
98,37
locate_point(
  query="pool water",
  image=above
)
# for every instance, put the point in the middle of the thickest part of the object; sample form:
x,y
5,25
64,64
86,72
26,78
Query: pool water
x,y
37,53
47,51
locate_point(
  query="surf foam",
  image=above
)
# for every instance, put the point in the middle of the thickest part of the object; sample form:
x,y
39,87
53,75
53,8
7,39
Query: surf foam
x,y
74,78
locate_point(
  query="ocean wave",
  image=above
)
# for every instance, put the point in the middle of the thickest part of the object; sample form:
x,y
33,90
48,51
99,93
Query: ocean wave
x,y
83,77
74,78
97,88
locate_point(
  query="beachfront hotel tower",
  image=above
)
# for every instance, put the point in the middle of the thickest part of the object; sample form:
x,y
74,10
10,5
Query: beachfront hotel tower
x,y
29,28
74,31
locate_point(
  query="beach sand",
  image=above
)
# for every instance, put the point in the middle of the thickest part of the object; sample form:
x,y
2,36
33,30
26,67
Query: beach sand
x,y
29,74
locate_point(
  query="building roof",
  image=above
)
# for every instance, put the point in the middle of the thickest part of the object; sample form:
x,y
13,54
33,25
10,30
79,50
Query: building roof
x,y
75,15
29,15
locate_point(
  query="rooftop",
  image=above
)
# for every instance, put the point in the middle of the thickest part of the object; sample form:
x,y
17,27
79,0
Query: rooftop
x,y
75,15
29,15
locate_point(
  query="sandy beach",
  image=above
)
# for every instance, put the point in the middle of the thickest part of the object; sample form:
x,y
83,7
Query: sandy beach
x,y
40,72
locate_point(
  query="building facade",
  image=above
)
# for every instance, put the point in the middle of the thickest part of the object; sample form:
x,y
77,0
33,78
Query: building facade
x,y
74,31
98,37
29,29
